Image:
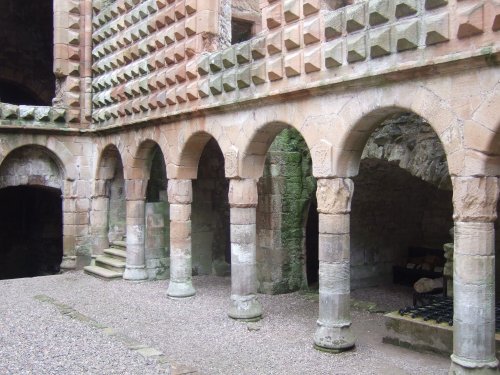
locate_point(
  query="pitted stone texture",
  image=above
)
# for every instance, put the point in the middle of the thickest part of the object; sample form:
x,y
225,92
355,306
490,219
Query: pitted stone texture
x,y
243,193
180,191
334,195
407,140
475,198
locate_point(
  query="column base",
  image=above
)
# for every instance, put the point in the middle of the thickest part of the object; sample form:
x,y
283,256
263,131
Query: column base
x,y
462,366
246,308
68,263
177,289
135,273
334,339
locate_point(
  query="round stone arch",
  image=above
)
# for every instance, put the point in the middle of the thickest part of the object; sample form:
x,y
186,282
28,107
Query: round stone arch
x,y
32,165
137,165
107,217
33,177
482,136
109,156
185,164
352,139
251,163
62,155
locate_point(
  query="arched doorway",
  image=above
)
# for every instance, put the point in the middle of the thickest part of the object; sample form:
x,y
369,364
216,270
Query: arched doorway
x,y
401,209
30,231
210,220
157,218
31,215
287,219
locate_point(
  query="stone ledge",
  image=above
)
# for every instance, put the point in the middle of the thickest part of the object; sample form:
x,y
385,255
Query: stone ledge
x,y
420,335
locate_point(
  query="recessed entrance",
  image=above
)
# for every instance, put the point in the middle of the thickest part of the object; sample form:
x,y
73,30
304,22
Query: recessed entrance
x,y
30,231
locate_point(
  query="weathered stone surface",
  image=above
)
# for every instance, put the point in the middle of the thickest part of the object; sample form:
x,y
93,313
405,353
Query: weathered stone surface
x,y
438,29
406,36
333,25
356,48
334,195
471,21
475,198
380,42
409,142
333,53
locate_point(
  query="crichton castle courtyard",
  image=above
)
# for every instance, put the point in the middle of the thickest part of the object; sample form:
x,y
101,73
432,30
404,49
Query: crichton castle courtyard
x,y
249,186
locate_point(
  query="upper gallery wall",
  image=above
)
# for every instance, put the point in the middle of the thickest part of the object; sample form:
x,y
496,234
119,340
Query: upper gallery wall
x,y
157,58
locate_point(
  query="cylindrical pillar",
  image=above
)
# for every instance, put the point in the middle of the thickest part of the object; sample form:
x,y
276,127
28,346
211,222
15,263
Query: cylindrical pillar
x,y
474,201
243,203
99,224
180,196
69,232
135,268
333,331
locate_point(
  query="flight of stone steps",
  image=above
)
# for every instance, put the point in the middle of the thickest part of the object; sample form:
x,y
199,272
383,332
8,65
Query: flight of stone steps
x,y
111,264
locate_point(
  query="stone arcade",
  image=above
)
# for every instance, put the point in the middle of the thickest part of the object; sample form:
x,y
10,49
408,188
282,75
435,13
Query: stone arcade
x,y
149,116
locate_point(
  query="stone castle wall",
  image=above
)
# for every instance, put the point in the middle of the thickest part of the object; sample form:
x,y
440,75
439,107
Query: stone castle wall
x,y
149,58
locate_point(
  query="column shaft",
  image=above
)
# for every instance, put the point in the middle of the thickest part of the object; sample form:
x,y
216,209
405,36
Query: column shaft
x,y
333,331
475,202
180,195
135,268
99,224
243,202
69,233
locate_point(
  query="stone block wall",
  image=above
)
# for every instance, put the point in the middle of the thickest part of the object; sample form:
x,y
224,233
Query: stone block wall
x,y
47,56
144,55
392,211
285,192
148,60
402,198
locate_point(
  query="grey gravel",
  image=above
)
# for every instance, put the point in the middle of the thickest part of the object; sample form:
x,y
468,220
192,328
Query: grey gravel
x,y
36,337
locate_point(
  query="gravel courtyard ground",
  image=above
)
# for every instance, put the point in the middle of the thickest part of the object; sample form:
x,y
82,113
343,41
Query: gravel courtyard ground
x,y
76,324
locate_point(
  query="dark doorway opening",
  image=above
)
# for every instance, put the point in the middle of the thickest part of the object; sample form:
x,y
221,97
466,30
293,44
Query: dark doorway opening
x,y
312,245
30,231
210,218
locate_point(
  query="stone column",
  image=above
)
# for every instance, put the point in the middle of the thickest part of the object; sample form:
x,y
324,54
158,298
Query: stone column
x,y
99,218
333,332
99,224
69,232
180,196
243,203
135,268
474,203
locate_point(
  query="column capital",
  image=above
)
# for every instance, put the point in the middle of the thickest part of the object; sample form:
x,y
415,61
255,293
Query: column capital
x,y
243,193
100,188
135,190
475,199
180,191
334,195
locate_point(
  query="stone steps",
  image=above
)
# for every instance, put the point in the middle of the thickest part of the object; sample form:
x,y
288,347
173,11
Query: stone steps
x,y
102,273
119,245
116,253
111,264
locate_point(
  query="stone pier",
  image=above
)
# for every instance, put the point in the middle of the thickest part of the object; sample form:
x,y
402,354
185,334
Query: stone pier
x,y
334,332
475,201
243,203
135,268
180,196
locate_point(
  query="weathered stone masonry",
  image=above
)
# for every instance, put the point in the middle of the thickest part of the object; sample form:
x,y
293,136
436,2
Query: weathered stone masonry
x,y
154,77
